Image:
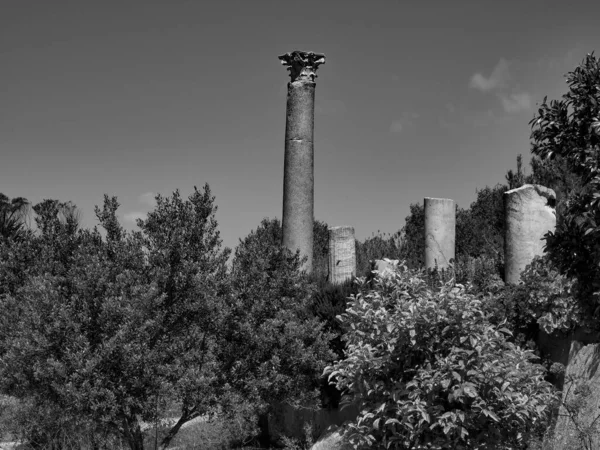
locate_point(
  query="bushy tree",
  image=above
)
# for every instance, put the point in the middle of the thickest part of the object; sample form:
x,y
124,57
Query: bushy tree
x,y
569,129
13,215
274,349
429,370
109,329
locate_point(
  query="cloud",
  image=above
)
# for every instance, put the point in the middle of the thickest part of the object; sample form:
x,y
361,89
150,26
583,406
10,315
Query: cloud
x,y
147,198
406,120
133,216
397,126
497,79
511,98
514,103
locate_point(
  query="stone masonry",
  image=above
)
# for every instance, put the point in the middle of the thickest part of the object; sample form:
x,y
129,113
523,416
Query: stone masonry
x,y
298,172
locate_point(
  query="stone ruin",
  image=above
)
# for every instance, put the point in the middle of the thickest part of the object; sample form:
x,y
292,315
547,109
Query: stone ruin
x,y
342,254
298,167
529,213
440,232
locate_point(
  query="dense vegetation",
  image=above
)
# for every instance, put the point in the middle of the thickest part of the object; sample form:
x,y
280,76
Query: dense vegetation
x,y
105,334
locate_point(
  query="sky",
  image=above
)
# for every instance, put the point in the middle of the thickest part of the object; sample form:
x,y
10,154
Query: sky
x,y
416,99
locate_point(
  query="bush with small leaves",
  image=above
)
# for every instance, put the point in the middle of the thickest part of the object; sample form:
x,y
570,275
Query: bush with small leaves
x,y
429,370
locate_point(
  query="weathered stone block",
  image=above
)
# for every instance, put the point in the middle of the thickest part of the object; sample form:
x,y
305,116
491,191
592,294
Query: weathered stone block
x,y
332,439
440,232
579,417
385,267
530,213
342,254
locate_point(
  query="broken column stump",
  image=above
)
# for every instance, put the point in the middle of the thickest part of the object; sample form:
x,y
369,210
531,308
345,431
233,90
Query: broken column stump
x,y
530,213
440,232
342,254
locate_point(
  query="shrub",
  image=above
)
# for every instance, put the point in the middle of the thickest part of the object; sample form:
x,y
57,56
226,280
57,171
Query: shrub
x,y
427,368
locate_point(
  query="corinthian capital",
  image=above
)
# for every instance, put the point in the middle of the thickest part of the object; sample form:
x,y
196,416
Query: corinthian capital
x,y
302,65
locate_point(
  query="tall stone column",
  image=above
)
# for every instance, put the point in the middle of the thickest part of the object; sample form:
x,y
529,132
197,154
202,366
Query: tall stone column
x,y
530,213
298,170
440,232
342,254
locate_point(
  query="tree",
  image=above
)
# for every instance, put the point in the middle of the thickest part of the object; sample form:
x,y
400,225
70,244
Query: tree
x,y
413,236
569,129
13,215
111,329
273,348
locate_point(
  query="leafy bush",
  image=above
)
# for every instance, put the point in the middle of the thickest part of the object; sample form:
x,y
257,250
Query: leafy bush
x,y
429,370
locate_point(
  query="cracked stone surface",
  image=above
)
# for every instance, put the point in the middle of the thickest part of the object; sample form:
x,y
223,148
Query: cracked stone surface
x,y
530,213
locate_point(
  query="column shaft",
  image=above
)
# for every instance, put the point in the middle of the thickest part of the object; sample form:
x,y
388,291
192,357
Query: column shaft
x,y
530,213
298,172
440,232
342,254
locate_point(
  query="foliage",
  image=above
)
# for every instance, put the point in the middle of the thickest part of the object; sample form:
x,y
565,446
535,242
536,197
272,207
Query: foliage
x,y
378,246
428,368
273,349
45,426
547,297
517,179
482,273
570,128
13,215
320,250
413,237
556,174
106,329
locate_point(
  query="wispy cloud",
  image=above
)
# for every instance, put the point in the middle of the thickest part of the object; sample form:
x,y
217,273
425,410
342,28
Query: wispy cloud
x,y
402,123
514,103
147,198
397,126
133,216
512,99
498,79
